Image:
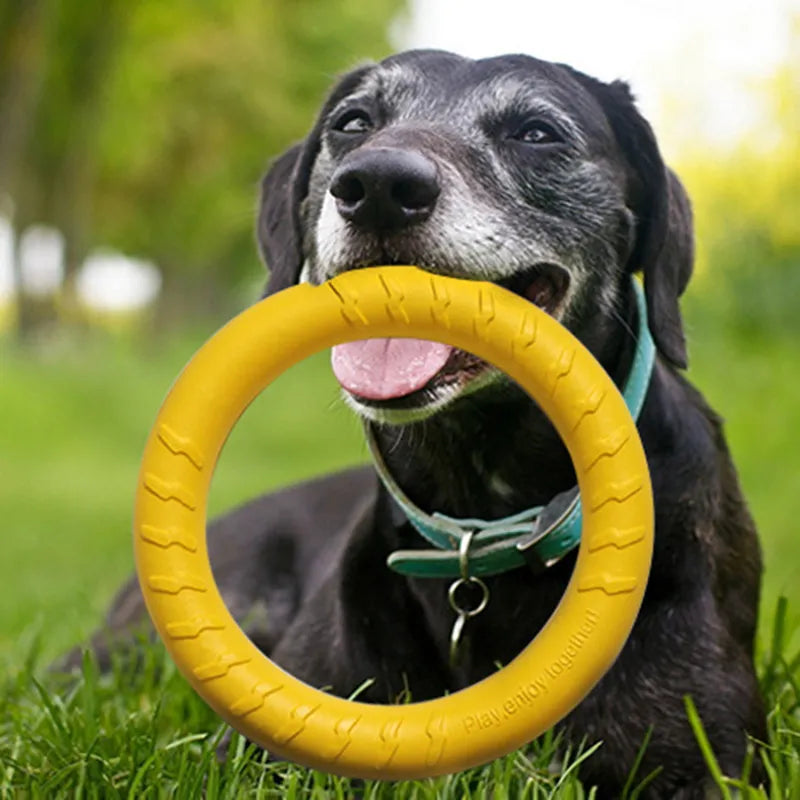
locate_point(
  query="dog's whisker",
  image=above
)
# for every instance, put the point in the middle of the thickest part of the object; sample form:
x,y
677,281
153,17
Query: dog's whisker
x,y
624,324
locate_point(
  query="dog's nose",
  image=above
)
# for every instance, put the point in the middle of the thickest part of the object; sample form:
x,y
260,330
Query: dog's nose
x,y
385,188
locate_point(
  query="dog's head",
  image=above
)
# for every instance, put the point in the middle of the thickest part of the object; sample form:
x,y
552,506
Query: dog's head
x,y
508,169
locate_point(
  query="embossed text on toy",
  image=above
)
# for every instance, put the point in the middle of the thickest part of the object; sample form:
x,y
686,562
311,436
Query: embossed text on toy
x,y
528,693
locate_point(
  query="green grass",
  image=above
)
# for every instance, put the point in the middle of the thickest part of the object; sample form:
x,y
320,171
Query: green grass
x,y
142,733
73,428
753,383
74,419
156,740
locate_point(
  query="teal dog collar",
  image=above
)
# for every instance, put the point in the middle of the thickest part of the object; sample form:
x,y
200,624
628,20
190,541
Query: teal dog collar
x,y
538,537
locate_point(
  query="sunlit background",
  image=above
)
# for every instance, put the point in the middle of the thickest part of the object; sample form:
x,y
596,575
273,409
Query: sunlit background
x,y
132,139
707,74
698,68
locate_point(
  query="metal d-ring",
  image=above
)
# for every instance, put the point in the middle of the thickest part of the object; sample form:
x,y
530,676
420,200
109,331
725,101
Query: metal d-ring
x,y
464,613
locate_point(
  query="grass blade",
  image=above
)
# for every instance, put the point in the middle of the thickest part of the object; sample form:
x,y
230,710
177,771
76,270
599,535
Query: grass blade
x,y
705,747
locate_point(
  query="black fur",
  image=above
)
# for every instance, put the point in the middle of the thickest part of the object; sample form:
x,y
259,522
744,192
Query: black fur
x,y
307,565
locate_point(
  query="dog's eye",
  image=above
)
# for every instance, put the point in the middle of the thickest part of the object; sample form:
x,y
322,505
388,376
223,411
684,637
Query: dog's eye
x,y
537,132
354,120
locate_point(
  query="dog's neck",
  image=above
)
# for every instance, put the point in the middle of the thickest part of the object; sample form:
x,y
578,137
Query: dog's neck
x,y
494,453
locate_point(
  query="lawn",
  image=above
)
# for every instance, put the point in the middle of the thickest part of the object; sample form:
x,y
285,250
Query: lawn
x,y
73,429
74,419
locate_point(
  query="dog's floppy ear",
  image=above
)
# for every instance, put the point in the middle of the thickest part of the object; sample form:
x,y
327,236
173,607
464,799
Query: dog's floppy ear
x,y
283,190
667,259
278,231
664,244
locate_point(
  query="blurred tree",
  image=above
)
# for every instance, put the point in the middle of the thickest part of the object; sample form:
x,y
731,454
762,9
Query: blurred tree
x,y
23,33
53,75
146,125
69,118
747,210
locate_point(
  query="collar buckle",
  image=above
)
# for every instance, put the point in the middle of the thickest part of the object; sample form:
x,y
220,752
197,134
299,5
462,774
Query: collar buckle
x,y
562,517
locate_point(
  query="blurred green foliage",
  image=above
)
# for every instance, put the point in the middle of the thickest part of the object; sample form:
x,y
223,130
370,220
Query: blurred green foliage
x,y
201,104
146,125
747,212
74,423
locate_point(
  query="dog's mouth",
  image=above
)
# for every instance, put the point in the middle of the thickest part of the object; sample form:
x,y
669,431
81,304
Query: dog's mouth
x,y
399,380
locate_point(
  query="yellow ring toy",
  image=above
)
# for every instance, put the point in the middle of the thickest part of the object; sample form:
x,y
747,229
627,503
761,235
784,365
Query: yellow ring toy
x,y
484,721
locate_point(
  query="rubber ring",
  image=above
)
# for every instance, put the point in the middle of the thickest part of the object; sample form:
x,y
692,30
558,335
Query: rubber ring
x,y
484,721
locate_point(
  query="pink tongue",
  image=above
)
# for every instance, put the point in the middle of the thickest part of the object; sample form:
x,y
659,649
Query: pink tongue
x,y
380,369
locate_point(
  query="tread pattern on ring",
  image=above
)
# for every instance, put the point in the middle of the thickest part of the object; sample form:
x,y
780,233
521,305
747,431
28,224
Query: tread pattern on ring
x,y
436,731
577,408
176,583
180,445
254,699
166,537
585,405
615,492
558,369
192,628
394,303
170,490
608,583
525,337
219,667
342,735
609,445
616,537
485,314
388,742
294,724
440,304
350,311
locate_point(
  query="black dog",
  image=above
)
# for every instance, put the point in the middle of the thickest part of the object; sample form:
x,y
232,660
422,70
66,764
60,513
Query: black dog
x,y
538,177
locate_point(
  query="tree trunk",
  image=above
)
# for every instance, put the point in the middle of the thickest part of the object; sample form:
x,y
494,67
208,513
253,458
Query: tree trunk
x,y
22,59
22,39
